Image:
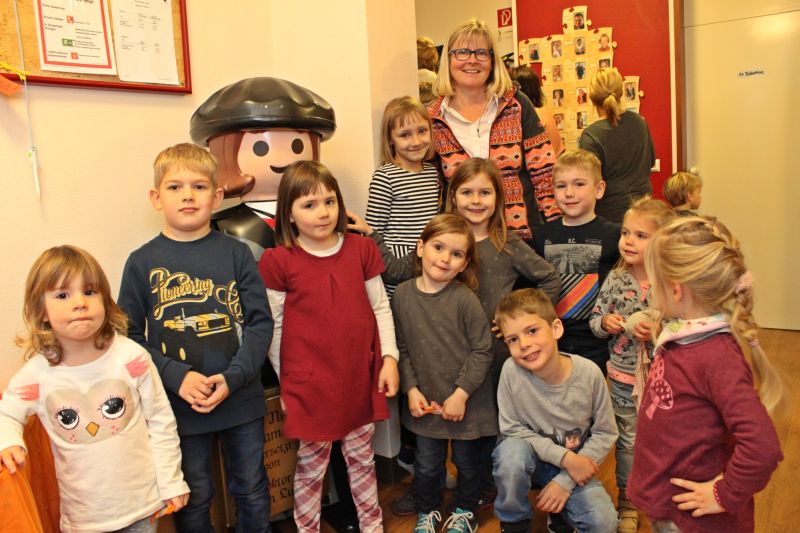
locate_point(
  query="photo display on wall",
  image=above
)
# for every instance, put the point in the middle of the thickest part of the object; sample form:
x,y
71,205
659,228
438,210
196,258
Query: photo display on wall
x,y
568,61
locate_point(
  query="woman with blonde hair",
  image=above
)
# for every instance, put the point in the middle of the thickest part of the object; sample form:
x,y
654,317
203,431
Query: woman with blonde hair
x,y
480,113
622,142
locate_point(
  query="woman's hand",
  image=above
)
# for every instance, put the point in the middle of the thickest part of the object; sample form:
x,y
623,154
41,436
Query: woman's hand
x,y
356,223
700,499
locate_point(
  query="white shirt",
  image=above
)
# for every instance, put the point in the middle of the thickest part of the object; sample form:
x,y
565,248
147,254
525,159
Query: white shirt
x,y
473,136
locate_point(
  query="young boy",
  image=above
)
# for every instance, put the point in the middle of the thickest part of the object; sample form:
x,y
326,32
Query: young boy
x,y
556,422
583,249
683,190
196,301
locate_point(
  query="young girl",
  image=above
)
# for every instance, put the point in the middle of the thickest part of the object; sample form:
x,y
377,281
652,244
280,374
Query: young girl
x,y
99,397
626,291
706,443
329,305
404,192
446,358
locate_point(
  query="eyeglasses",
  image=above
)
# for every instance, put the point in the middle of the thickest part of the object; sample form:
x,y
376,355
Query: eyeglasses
x,y
481,54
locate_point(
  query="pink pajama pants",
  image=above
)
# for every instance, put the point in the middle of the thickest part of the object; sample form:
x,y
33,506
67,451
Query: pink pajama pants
x,y
312,461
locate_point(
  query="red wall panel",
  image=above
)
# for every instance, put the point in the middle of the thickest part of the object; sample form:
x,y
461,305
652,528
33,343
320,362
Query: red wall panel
x,y
641,30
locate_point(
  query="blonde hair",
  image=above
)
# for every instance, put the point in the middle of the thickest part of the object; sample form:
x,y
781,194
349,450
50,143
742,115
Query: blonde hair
x,y
701,254
399,112
679,186
299,179
656,211
605,92
528,301
469,169
185,156
453,223
582,159
56,268
427,56
473,30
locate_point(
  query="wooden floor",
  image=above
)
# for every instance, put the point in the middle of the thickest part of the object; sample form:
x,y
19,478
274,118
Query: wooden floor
x,y
776,506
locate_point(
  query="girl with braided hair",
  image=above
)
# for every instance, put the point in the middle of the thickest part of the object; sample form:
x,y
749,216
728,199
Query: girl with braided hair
x,y
705,442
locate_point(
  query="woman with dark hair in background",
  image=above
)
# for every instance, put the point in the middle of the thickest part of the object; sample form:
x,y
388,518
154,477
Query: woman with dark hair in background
x,y
531,85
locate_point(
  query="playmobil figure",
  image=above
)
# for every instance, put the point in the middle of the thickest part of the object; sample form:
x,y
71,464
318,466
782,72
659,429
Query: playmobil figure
x,y
256,127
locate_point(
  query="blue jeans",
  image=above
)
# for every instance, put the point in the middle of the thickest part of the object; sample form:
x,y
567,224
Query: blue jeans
x,y
625,415
516,466
429,467
243,452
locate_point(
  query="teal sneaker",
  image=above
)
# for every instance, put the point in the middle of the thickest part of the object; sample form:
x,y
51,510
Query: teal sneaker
x,y
427,522
461,521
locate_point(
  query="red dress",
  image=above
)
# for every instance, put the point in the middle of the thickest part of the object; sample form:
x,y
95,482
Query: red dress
x,y
330,349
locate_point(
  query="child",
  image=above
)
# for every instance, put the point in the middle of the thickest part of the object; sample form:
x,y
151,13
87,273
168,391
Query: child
x,y
556,422
582,247
334,347
446,358
627,291
195,300
404,193
99,397
705,442
683,190
475,192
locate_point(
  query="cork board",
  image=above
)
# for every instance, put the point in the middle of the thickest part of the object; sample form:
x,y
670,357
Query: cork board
x,y
10,53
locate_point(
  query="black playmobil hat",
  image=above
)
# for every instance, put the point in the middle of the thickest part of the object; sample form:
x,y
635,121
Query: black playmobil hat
x,y
261,104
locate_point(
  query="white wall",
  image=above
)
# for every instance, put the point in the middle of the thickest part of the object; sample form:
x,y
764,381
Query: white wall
x,y
437,19
96,147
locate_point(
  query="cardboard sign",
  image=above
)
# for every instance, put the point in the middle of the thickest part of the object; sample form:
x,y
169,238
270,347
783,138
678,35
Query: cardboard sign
x,y
280,455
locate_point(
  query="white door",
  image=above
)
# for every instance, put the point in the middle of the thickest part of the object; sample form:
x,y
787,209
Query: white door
x,y
743,137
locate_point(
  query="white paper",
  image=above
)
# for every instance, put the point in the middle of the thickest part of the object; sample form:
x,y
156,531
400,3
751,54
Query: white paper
x,y
74,36
144,41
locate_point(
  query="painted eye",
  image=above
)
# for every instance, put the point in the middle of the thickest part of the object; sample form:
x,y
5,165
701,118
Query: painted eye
x,y
297,146
68,418
261,148
113,408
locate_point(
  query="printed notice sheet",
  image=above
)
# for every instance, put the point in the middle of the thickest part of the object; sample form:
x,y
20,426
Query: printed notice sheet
x,y
74,36
143,38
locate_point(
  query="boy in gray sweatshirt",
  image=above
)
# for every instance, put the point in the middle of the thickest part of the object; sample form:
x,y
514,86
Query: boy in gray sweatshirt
x,y
556,423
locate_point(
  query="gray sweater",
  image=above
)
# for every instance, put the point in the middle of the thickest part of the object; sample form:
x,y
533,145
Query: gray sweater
x,y
444,343
558,418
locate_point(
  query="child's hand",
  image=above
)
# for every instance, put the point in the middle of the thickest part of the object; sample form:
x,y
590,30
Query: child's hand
x,y
220,392
642,331
579,467
613,323
193,387
700,498
389,378
496,330
356,223
417,403
178,502
455,405
11,457
552,498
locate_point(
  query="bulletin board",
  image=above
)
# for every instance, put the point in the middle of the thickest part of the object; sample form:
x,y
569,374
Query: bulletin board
x,y
10,53
641,31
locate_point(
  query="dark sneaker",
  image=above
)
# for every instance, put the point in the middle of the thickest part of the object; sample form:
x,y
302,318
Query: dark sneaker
x,y
427,522
523,526
461,521
405,504
486,499
557,524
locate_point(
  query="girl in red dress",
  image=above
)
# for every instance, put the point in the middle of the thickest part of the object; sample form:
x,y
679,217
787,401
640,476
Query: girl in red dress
x,y
333,347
